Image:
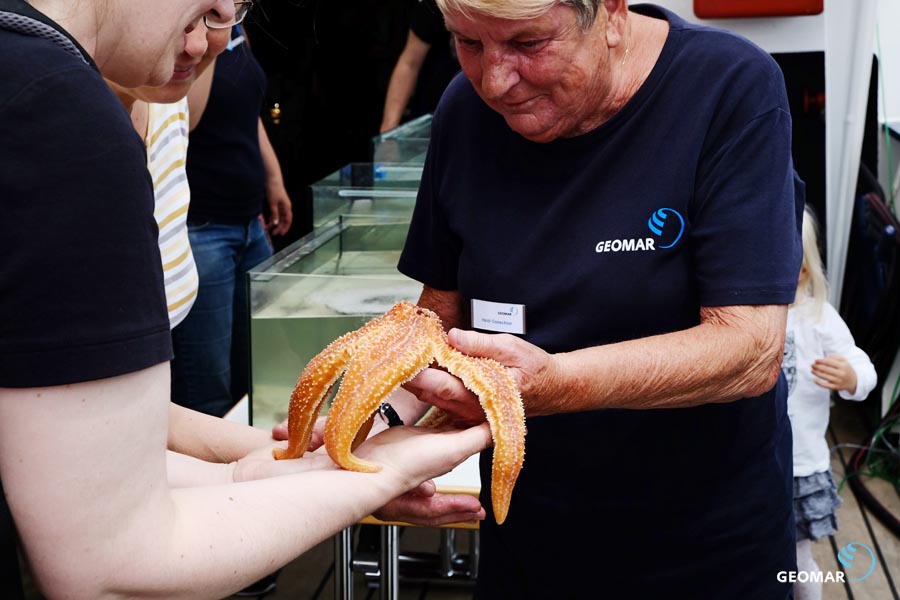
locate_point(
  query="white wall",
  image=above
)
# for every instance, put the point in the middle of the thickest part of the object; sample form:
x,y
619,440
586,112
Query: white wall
x,y
797,34
888,50
889,35
805,33
780,34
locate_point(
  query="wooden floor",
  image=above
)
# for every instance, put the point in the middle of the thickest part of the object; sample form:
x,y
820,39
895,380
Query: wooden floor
x,y
311,576
856,522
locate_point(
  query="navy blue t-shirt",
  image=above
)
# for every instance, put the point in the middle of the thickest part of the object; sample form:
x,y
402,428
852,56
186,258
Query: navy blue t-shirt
x,y
685,198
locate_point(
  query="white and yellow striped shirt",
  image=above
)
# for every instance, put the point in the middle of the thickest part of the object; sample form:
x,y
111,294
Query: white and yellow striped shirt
x,y
167,140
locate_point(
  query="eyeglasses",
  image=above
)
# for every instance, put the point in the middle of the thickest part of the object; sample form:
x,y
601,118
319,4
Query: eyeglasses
x,y
215,21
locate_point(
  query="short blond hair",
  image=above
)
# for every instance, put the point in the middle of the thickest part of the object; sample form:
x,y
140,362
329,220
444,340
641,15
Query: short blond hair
x,y
813,287
521,9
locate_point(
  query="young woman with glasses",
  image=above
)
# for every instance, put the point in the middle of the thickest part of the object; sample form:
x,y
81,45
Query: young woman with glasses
x,y
107,497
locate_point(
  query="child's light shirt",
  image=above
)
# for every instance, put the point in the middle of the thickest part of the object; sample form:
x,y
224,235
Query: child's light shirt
x,y
812,336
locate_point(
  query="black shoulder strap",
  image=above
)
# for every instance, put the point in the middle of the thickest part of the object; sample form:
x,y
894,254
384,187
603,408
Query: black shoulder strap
x,y
21,17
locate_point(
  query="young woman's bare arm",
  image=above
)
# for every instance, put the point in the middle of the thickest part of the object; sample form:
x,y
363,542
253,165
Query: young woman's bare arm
x,y
85,466
211,438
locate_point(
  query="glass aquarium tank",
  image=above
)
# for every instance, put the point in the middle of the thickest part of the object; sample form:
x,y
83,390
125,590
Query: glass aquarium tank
x,y
304,297
366,189
407,143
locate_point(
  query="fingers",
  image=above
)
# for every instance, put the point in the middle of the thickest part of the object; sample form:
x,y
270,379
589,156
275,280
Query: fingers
x,y
318,435
533,369
828,385
436,384
282,215
473,343
457,444
826,371
280,431
264,466
432,511
827,378
831,367
834,373
415,454
316,440
287,215
425,489
832,364
443,390
276,226
478,438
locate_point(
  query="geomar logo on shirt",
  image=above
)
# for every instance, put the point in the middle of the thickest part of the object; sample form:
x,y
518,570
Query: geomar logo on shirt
x,y
666,225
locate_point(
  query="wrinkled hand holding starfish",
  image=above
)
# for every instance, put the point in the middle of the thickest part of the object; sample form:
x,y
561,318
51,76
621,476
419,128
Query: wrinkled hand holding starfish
x,y
375,360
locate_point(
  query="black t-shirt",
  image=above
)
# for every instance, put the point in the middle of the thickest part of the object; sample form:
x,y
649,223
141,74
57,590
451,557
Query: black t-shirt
x,y
224,164
427,23
685,198
440,64
81,293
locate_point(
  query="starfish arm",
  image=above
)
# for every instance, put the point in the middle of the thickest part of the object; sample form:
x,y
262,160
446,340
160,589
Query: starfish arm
x,y
312,387
382,363
379,357
499,397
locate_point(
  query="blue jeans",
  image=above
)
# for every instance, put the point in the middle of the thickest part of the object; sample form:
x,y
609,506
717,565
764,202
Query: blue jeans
x,y
210,371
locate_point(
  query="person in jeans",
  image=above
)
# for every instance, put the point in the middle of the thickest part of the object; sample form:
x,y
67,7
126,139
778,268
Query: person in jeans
x,y
233,173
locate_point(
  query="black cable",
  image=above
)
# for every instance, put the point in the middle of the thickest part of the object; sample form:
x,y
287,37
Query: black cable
x,y
865,496
879,331
323,582
846,583
874,539
875,543
887,518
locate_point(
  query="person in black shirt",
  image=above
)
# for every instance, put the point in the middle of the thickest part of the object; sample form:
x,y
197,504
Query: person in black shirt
x,y
423,70
233,173
111,490
609,200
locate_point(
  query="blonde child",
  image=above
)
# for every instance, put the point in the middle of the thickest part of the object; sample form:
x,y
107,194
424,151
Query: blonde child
x,y
820,356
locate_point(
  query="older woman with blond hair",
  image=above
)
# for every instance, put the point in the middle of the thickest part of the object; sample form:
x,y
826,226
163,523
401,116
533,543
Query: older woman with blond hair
x,y
623,178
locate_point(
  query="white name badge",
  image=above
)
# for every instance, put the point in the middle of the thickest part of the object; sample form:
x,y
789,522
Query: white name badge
x,y
498,316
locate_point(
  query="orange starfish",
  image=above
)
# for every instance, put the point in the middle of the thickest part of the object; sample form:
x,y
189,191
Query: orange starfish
x,y
375,360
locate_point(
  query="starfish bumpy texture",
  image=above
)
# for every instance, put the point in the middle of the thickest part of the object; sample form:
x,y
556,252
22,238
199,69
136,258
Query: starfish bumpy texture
x,y
375,360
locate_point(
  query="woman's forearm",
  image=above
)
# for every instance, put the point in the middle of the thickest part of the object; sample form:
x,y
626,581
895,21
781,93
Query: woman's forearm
x,y
210,438
187,471
98,517
733,354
